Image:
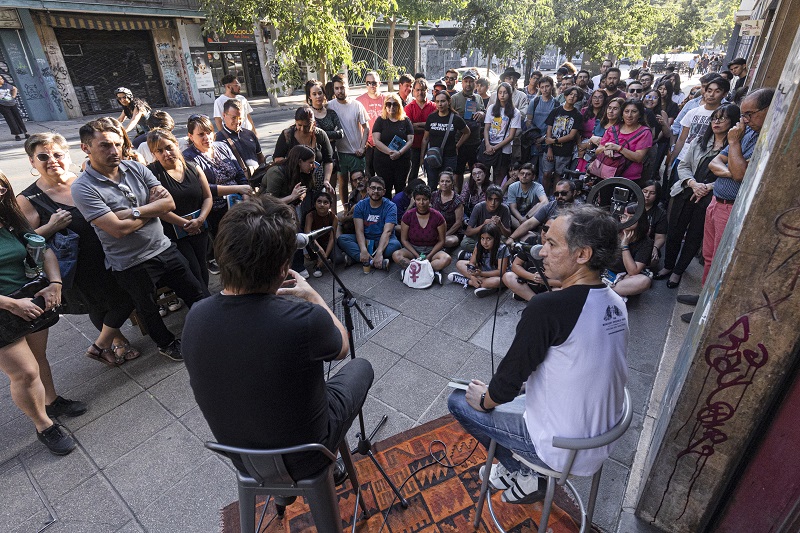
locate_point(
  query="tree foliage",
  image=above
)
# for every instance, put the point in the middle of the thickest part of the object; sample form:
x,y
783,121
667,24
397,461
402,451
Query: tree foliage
x,y
687,24
314,31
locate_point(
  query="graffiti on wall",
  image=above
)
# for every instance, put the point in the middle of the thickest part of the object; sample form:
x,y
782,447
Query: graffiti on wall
x,y
171,68
60,74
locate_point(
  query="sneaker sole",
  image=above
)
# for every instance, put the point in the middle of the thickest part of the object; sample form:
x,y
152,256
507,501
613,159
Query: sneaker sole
x,y
533,497
170,357
491,483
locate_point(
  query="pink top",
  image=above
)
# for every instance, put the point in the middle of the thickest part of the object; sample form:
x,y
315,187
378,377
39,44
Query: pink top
x,y
427,236
636,140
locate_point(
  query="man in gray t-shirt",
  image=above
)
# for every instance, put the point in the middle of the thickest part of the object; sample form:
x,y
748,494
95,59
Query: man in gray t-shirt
x,y
123,200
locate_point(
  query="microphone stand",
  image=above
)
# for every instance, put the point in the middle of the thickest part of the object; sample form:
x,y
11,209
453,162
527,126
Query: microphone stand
x,y
364,446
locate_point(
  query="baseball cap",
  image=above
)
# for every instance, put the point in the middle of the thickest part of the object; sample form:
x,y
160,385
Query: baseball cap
x,y
471,73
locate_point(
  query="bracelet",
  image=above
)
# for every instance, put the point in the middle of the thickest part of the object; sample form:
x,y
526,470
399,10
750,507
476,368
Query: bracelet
x,y
483,397
626,248
60,283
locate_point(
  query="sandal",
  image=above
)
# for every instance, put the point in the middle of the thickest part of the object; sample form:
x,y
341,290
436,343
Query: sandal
x,y
128,352
104,355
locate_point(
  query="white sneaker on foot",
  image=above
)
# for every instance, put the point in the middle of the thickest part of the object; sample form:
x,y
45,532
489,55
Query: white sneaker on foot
x,y
525,488
499,478
455,277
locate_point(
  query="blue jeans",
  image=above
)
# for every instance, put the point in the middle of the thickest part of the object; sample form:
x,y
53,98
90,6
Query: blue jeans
x,y
349,245
504,424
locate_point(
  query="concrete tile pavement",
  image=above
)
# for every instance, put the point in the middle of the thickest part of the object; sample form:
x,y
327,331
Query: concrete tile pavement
x,y
141,464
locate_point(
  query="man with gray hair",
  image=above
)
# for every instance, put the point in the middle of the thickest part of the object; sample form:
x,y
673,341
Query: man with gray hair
x,y
569,350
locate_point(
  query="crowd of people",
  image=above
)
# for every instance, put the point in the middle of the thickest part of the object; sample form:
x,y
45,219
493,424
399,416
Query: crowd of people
x,y
457,176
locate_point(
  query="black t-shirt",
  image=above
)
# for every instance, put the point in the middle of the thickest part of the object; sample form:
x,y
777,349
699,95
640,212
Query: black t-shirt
x,y
246,144
563,122
436,127
188,194
658,221
388,129
642,252
255,365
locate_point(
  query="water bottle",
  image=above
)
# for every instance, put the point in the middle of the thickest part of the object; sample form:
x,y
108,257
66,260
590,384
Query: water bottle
x,y
422,257
36,247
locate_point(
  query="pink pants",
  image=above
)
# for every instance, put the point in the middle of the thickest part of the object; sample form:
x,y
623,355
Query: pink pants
x,y
717,216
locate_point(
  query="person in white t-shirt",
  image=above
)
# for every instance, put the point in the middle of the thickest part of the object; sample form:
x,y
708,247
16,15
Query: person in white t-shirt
x,y
695,122
355,124
607,64
570,350
232,88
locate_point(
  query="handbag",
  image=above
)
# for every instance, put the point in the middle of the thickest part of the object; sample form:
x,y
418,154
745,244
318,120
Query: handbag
x,y
14,327
608,167
434,157
418,274
494,159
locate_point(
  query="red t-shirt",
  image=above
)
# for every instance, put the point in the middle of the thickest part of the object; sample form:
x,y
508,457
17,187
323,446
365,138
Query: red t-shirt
x,y
374,107
427,236
417,114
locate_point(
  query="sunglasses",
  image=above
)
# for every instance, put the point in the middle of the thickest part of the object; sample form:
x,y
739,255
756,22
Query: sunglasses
x,y
128,193
650,98
561,193
392,104
57,156
450,78
371,83
635,91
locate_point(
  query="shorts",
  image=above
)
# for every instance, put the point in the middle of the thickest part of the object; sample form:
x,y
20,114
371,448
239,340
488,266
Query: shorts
x,y
351,162
559,164
424,250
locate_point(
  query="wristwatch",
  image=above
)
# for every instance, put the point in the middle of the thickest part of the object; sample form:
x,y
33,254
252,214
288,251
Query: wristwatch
x,y
136,213
483,397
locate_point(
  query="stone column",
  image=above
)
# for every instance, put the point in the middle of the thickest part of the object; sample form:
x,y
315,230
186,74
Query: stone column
x,y
171,64
58,69
744,335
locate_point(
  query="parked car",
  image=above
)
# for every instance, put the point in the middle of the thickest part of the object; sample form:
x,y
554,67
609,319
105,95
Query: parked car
x,y
493,78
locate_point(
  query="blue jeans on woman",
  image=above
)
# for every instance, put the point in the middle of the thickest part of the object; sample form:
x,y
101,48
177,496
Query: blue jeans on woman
x,y
504,424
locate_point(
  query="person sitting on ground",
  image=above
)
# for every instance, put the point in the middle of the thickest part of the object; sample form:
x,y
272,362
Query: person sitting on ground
x,y
304,132
403,199
525,196
448,203
628,276
322,217
486,265
523,279
511,178
255,357
492,210
474,191
564,196
656,218
358,184
420,240
374,218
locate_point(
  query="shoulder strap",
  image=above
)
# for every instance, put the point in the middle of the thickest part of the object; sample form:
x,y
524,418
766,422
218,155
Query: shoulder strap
x,y
236,154
447,131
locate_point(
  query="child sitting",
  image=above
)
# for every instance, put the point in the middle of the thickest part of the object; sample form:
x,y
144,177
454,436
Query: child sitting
x,y
485,268
321,217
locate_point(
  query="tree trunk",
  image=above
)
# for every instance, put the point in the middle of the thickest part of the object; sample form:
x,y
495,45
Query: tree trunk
x,y
528,64
390,52
322,71
263,58
489,55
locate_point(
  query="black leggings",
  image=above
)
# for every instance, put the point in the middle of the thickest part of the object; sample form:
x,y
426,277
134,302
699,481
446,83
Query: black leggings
x,y
686,222
14,119
394,173
194,248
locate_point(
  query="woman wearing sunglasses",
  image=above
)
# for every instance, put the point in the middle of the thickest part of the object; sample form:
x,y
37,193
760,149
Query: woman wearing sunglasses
x,y
393,134
49,209
24,360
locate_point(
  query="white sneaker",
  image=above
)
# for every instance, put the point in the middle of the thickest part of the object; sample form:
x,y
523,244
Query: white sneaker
x,y
174,305
438,276
455,277
304,273
499,478
482,292
525,488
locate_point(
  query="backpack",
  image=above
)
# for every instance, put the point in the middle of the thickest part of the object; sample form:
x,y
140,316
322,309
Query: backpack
x,y
418,274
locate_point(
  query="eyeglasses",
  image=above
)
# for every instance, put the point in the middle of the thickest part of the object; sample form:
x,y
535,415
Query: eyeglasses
x,y
376,188
749,114
371,83
635,91
718,120
128,193
57,156
561,193
392,104
651,97
450,78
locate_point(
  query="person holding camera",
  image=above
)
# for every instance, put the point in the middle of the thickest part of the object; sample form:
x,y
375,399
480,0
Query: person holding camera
x,y
255,357
565,195
524,279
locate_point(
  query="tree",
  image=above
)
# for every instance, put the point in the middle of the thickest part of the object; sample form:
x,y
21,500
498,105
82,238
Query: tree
x,y
687,24
314,31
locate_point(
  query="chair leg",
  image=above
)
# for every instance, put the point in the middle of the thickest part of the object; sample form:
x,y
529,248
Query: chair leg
x,y
247,509
485,483
324,506
347,459
593,498
548,503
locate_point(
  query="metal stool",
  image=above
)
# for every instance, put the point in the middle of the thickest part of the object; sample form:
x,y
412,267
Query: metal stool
x,y
561,478
268,475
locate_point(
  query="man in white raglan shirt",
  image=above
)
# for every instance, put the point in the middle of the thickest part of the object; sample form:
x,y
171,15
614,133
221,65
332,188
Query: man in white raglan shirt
x,y
570,351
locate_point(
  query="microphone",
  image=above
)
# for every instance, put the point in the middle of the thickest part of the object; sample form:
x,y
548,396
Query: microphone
x,y
304,239
533,252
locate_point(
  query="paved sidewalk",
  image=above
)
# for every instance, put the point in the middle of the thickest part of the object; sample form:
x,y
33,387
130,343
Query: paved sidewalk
x,y
141,464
